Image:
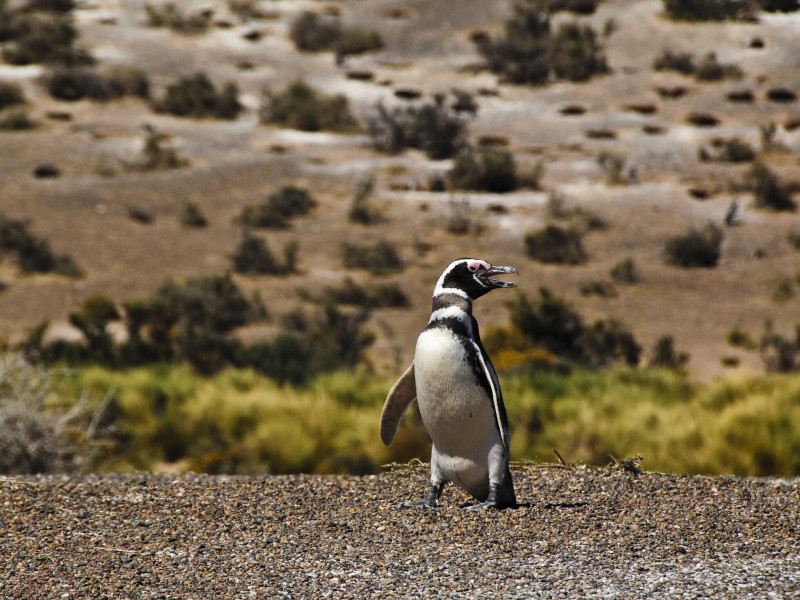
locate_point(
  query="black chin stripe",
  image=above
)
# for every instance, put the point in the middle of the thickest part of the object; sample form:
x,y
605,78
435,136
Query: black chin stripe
x,y
447,300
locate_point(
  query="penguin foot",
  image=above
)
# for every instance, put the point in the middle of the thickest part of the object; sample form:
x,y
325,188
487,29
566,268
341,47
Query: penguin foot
x,y
429,500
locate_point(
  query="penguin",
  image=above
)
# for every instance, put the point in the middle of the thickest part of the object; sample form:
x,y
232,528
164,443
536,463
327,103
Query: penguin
x,y
458,393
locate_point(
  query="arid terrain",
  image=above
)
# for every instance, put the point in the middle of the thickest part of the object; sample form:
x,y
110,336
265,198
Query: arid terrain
x,y
85,212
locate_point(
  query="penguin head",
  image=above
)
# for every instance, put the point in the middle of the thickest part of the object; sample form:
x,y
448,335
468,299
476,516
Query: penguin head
x,y
472,277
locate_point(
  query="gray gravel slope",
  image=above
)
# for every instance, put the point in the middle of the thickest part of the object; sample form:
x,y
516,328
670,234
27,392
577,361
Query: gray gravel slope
x,y
590,533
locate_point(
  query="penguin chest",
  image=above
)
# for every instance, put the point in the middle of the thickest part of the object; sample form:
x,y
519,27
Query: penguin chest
x,y
456,408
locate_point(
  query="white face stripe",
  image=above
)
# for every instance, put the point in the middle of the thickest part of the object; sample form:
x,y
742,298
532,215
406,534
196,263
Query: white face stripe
x,y
472,264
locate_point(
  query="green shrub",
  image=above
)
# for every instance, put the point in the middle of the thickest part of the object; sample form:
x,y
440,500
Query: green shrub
x,y
312,33
768,191
47,38
362,210
380,258
253,256
556,245
33,254
550,324
696,248
355,40
171,17
388,295
16,119
575,54
710,69
195,96
487,169
302,107
530,52
682,62
279,208
10,94
430,126
582,7
192,216
708,10
665,356
625,271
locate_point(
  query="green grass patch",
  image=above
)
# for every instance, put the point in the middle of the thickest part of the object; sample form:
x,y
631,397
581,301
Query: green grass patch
x,y
241,422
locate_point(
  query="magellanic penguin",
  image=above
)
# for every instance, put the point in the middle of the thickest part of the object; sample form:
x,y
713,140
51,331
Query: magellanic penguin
x,y
458,393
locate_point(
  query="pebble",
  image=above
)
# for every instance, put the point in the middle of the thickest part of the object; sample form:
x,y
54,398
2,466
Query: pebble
x,y
593,533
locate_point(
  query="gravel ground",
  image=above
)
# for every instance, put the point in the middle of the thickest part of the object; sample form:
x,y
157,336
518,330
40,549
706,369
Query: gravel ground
x,y
588,533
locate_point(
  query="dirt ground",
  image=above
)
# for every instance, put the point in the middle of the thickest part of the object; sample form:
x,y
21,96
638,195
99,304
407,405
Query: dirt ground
x,y
85,211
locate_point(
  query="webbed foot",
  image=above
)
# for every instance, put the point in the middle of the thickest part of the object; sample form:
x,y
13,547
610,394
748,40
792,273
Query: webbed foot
x,y
429,500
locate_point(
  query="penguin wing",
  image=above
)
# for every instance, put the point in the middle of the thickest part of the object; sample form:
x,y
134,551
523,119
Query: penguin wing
x,y
403,392
493,385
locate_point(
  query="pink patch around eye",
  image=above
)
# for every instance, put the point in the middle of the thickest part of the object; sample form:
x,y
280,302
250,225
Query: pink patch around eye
x,y
474,265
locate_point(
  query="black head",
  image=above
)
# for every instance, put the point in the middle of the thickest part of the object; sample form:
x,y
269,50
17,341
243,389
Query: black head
x,y
472,277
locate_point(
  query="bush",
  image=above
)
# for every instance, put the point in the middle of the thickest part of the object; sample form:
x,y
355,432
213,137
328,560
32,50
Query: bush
x,y
41,38
192,216
16,119
196,96
279,208
380,258
387,295
696,248
430,127
312,33
361,210
530,52
731,150
487,169
710,69
768,191
10,94
708,10
665,356
158,153
253,256
34,438
33,254
549,323
582,7
170,16
555,245
682,62
302,107
625,271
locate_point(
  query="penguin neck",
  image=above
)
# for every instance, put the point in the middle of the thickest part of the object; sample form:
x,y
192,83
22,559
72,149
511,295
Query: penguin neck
x,y
449,304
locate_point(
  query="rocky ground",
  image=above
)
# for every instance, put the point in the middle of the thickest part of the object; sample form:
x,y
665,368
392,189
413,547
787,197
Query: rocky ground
x,y
589,533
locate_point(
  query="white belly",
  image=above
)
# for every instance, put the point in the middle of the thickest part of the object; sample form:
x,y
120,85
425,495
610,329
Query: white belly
x,y
455,410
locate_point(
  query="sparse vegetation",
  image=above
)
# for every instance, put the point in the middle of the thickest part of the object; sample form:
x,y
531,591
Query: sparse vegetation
x,y
33,254
768,191
172,17
40,37
10,95
75,83
625,271
665,356
487,169
16,119
708,10
311,32
556,245
380,258
376,295
254,257
278,209
362,210
430,126
192,217
302,107
696,248
531,53
195,96
727,150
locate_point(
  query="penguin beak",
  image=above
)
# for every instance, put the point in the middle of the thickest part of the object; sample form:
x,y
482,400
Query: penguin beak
x,y
498,283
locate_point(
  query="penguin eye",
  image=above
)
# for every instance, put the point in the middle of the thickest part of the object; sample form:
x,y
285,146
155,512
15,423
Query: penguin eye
x,y
472,267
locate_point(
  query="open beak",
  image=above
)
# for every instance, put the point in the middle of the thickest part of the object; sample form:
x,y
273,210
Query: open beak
x,y
499,283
